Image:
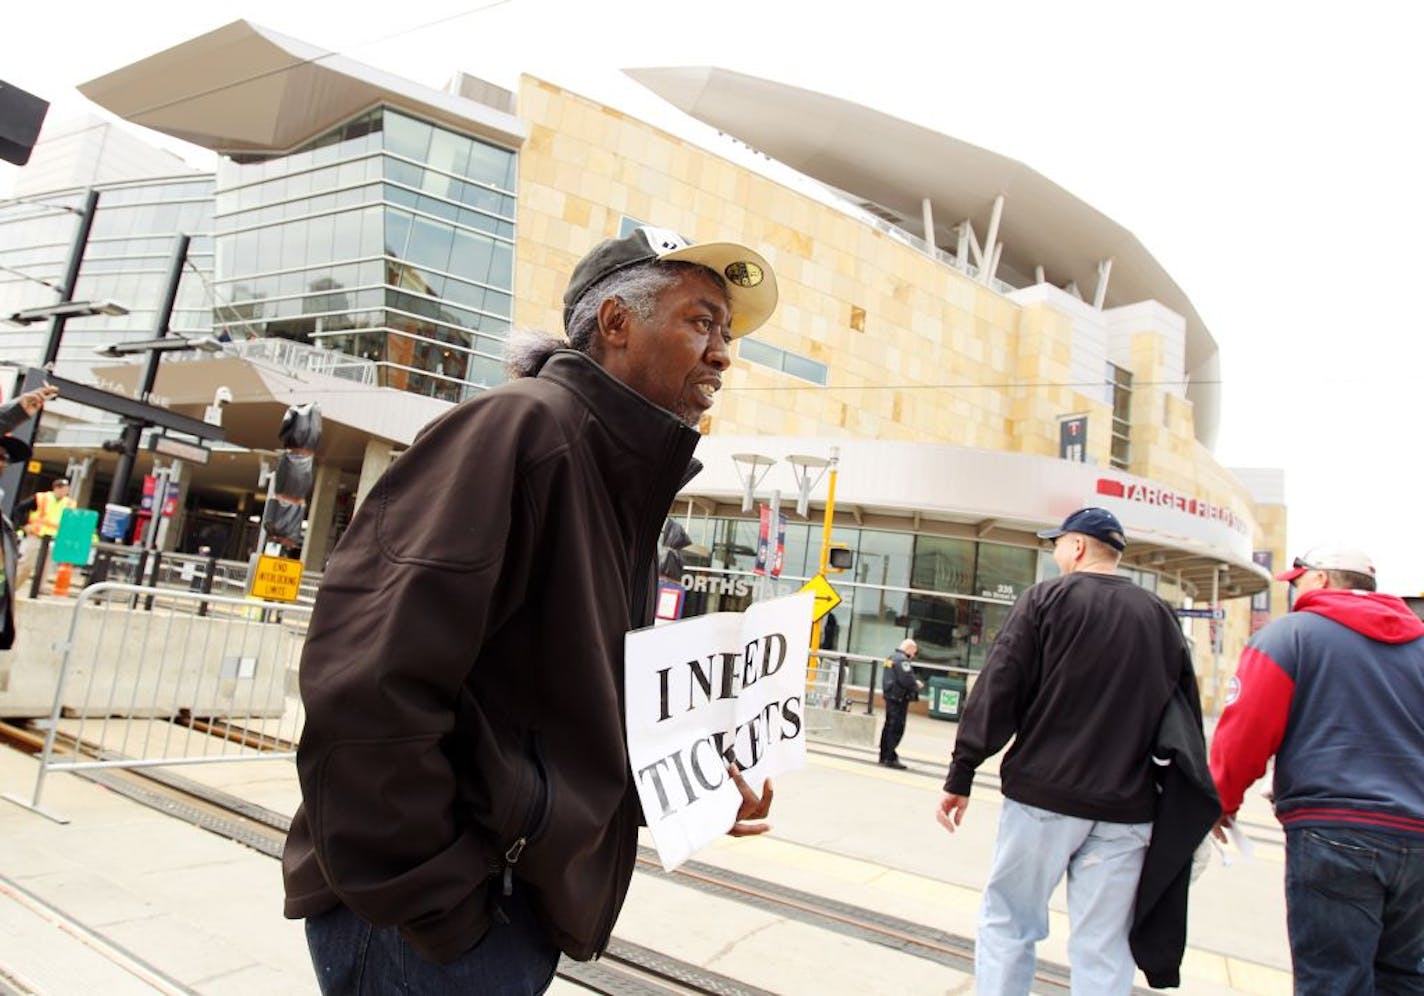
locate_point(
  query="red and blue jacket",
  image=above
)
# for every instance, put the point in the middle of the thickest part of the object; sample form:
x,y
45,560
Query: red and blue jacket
x,y
1335,690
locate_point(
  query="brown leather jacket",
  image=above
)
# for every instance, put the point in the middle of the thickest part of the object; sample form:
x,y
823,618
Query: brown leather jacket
x,y
463,675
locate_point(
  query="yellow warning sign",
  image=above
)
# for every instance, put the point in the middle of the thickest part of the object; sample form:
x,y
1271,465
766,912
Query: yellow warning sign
x,y
277,579
826,597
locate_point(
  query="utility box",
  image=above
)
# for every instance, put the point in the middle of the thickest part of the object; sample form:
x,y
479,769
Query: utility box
x,y
946,695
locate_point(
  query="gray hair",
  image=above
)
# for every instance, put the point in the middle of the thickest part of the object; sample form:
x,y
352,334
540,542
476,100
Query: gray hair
x,y
1350,581
528,350
637,286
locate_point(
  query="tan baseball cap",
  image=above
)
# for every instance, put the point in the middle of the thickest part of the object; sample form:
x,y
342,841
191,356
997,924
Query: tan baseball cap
x,y
751,285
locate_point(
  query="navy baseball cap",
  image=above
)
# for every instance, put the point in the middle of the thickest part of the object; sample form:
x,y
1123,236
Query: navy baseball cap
x,y
1098,523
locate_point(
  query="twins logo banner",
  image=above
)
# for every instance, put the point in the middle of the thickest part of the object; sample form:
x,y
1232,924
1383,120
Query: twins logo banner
x,y
725,688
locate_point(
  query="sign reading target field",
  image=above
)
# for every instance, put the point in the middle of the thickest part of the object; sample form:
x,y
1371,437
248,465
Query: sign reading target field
x,y
276,579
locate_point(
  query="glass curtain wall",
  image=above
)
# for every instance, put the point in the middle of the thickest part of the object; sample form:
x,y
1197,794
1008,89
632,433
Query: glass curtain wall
x,y
126,260
388,238
951,594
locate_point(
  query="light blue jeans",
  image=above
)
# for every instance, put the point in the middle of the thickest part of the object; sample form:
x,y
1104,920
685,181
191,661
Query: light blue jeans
x,y
1033,850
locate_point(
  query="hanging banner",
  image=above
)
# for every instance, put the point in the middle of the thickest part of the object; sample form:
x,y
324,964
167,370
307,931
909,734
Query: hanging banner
x,y
779,557
703,693
763,550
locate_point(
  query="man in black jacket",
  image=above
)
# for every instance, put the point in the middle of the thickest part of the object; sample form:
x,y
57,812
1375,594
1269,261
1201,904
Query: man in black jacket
x,y
1079,677
900,687
467,806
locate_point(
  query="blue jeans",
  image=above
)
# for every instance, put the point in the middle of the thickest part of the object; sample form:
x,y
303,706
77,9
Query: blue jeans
x,y
1034,849
353,958
1355,909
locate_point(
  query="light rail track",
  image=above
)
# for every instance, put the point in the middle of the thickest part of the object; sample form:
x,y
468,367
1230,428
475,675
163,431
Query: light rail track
x,y
625,969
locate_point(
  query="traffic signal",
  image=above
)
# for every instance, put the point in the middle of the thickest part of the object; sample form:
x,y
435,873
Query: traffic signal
x,y
840,559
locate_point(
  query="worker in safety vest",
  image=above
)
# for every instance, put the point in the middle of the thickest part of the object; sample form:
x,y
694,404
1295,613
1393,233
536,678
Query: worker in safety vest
x,y
43,521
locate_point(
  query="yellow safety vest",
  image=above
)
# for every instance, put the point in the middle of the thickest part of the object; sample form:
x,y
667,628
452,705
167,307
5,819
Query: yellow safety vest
x,y
44,520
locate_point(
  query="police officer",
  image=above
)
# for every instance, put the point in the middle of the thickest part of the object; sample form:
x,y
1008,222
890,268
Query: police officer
x,y
900,687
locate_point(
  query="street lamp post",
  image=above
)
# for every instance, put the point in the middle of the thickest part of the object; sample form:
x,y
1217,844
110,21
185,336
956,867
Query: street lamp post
x,y
14,475
123,469
71,276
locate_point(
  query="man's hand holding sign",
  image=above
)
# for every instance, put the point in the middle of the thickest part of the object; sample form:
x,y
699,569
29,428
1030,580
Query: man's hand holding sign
x,y
714,706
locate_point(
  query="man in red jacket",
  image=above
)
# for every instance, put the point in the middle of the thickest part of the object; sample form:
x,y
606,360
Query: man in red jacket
x,y
1335,691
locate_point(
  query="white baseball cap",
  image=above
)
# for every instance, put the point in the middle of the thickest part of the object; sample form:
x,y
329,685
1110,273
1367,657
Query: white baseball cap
x,y
1330,557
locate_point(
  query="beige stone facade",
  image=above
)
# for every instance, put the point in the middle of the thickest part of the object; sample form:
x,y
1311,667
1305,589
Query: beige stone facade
x,y
914,349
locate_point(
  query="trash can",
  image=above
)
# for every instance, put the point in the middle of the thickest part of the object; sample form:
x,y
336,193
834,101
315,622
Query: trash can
x,y
946,695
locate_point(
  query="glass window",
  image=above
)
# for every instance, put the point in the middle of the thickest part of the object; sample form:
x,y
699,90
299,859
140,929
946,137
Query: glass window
x,y
400,171
430,243
880,618
799,366
502,266
449,153
407,136
397,232
944,564
491,164
472,256
320,233
1005,571
986,621
294,246
346,235
269,248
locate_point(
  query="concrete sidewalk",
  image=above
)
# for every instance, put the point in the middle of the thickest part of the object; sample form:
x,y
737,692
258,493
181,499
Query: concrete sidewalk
x,y
124,899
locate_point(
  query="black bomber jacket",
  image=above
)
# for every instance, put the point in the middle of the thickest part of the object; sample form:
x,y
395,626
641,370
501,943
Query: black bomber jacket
x,y
463,672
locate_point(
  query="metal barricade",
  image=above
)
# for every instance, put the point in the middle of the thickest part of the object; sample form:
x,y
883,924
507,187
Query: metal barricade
x,y
172,685
825,680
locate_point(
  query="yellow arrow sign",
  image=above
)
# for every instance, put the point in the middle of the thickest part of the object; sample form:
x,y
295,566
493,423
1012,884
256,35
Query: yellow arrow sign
x,y
826,597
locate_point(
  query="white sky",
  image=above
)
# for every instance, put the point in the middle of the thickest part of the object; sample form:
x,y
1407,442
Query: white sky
x,y
1266,154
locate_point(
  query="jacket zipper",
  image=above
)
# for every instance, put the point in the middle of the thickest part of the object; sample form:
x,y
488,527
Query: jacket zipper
x,y
536,817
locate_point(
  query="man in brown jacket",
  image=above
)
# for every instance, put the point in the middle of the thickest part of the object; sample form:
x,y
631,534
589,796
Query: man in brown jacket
x,y
468,810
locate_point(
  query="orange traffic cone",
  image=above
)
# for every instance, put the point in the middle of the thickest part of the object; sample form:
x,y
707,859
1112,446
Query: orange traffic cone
x,y
61,579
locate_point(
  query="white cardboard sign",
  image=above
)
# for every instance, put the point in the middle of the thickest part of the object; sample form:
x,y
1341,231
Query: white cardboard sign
x,y
703,692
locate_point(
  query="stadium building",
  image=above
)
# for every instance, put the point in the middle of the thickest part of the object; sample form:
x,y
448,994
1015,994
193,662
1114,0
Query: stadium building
x,y
985,351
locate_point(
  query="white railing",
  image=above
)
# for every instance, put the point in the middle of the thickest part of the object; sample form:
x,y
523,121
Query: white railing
x,y
299,356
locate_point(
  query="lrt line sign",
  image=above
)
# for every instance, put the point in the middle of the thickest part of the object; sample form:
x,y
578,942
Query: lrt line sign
x,y
1208,613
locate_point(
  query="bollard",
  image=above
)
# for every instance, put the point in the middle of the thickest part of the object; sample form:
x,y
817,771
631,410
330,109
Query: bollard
x,y
41,559
211,569
100,571
62,575
157,566
841,668
138,576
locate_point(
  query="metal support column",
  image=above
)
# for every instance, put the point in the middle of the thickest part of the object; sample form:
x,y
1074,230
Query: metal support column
x,y
123,471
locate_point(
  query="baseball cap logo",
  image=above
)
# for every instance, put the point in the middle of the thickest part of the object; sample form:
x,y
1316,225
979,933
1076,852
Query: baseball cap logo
x,y
743,273
664,240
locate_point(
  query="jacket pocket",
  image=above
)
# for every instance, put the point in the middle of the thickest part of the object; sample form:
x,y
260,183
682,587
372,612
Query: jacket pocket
x,y
536,815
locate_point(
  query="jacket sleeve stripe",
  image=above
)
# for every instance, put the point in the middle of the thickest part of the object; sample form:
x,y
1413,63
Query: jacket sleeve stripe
x,y
1353,816
1251,727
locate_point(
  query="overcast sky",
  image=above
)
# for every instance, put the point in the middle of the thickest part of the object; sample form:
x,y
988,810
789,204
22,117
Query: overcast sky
x,y
1266,154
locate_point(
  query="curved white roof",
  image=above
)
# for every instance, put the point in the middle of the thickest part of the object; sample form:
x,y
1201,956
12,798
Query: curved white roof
x,y
894,164
243,88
